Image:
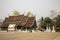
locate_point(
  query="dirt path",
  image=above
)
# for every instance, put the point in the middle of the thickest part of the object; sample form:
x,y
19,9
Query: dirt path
x,y
29,36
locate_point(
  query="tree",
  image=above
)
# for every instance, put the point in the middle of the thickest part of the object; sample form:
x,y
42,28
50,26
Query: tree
x,y
57,22
41,23
48,22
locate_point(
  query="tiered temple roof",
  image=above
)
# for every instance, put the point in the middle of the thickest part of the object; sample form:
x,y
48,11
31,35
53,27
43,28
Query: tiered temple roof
x,y
20,20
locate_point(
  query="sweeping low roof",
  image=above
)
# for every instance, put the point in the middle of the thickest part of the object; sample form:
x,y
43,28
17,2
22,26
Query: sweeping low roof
x,y
20,20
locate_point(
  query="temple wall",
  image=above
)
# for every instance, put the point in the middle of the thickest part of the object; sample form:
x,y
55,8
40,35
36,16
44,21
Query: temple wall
x,y
0,29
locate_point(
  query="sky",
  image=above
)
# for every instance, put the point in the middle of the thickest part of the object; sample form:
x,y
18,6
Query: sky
x,y
40,8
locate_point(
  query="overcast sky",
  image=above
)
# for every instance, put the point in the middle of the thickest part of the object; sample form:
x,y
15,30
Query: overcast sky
x,y
41,8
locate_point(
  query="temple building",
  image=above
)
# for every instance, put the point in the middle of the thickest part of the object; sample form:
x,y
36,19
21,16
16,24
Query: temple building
x,y
20,22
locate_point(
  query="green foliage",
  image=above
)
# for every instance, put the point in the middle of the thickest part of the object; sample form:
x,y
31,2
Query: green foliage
x,y
30,30
48,22
41,23
57,22
45,22
58,17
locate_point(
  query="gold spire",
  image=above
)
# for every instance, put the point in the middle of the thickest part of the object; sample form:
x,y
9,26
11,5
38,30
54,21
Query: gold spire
x,y
16,13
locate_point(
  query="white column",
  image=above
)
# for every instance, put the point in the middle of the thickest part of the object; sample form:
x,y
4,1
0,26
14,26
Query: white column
x,y
53,30
48,29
